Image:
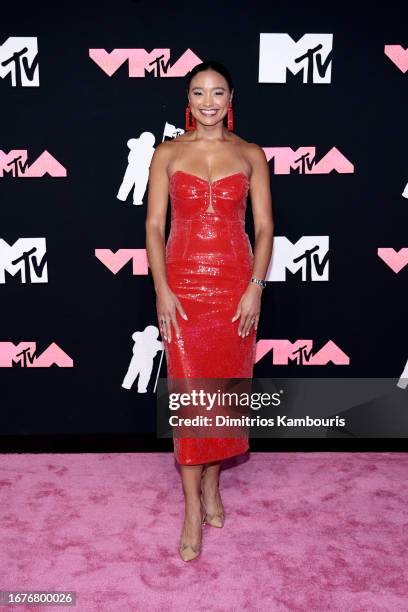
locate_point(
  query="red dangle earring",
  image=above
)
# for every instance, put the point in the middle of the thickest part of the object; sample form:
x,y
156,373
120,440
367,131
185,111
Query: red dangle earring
x,y
230,117
191,122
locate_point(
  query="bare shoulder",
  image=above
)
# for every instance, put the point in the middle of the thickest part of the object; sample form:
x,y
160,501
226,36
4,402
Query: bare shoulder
x,y
255,154
162,157
163,149
257,159
166,150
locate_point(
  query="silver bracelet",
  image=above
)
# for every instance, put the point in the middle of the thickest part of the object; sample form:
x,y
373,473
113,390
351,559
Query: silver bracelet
x,y
259,282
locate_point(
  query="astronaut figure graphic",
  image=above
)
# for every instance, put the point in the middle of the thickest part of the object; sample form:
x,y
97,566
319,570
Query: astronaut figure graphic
x,y
137,172
145,348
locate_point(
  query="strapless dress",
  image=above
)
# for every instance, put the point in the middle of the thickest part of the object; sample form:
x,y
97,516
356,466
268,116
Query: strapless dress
x,y
209,262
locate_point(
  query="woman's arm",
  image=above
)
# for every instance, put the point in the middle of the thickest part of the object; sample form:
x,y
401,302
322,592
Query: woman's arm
x,y
249,306
155,227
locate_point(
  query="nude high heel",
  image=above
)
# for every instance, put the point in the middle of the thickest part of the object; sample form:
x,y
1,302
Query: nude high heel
x,y
209,519
185,549
218,517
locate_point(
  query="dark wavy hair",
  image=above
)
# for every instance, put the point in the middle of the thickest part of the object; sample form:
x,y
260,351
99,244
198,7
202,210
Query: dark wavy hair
x,y
214,65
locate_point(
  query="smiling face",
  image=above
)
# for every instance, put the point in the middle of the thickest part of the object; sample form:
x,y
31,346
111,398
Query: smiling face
x,y
209,97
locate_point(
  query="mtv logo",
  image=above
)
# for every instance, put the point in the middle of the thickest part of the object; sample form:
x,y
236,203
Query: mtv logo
x,y
311,56
26,258
19,59
308,258
141,62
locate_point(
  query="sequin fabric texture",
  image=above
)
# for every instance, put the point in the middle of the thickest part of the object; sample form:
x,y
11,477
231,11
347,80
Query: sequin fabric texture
x,y
209,263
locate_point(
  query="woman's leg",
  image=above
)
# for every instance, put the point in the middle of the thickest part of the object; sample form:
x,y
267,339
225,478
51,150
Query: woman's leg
x,y
191,533
211,494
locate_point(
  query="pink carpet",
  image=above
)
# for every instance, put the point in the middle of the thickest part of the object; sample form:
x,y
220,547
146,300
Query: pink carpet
x,y
303,532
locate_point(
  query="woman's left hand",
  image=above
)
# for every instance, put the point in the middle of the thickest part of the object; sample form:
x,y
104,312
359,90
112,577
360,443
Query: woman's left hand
x,y
248,309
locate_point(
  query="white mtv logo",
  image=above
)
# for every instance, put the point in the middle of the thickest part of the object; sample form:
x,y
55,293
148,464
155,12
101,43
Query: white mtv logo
x,y
311,55
19,58
309,255
27,257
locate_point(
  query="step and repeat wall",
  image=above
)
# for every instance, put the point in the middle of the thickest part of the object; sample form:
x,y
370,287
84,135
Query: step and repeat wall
x,y
87,94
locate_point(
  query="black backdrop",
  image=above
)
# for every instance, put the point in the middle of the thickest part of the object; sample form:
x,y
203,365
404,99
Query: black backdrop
x,y
84,118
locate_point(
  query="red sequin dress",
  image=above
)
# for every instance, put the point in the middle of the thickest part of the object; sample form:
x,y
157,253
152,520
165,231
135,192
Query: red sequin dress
x,y
209,262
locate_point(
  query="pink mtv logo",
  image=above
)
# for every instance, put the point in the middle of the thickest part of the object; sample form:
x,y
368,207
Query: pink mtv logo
x,y
141,62
116,261
303,161
15,163
396,260
25,354
398,55
301,352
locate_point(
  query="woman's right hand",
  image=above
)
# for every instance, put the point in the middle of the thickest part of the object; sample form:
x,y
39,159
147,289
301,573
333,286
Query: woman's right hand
x,y
167,303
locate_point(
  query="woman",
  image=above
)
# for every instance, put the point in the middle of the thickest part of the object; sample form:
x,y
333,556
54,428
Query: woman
x,y
208,282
